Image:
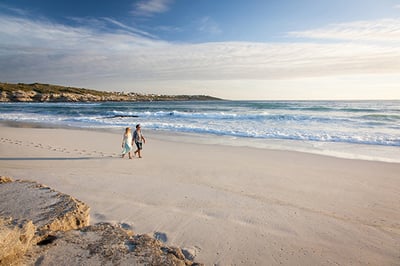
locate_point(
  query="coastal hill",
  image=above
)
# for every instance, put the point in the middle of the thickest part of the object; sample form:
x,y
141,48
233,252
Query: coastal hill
x,y
37,92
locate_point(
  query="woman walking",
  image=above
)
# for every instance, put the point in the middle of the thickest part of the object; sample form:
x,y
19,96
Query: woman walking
x,y
127,143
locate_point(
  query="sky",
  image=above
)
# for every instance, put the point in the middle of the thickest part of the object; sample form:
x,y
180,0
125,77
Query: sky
x,y
233,49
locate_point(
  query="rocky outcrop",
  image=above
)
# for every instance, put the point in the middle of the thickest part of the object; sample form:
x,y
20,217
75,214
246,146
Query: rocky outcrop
x,y
40,226
33,96
37,92
105,244
16,238
5,179
30,213
49,210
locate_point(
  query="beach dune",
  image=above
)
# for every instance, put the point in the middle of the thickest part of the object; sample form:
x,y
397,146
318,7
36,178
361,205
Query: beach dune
x,y
226,205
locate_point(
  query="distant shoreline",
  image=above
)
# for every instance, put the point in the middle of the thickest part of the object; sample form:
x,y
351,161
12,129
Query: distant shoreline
x,y
37,92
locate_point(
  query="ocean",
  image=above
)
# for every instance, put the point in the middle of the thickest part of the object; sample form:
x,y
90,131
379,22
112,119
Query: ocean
x,y
350,129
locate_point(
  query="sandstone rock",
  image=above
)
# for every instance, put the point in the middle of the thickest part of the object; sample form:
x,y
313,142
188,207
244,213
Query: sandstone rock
x,y
5,179
4,97
106,244
23,96
15,240
48,209
51,228
45,97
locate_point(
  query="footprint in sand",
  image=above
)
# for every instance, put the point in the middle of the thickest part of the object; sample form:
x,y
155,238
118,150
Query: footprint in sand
x,y
126,226
100,216
161,236
191,253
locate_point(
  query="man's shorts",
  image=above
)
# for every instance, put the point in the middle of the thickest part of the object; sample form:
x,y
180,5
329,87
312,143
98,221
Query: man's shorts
x,y
139,145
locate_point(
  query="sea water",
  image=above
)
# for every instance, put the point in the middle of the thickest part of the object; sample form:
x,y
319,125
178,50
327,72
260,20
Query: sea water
x,y
351,129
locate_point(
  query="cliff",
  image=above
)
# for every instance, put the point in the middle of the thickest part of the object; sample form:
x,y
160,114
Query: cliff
x,y
40,226
53,93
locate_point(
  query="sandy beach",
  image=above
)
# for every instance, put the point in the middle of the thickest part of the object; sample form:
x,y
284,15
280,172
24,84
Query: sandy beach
x,y
228,205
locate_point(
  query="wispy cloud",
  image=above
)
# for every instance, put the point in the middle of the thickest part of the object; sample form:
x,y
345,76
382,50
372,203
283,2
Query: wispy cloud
x,y
208,25
35,50
151,7
168,29
377,30
106,24
129,28
16,11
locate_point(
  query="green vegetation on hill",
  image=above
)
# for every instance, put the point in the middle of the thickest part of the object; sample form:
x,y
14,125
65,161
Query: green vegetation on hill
x,y
48,88
37,92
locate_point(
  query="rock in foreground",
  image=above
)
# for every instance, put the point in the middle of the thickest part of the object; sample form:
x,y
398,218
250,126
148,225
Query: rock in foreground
x,y
40,226
49,210
15,239
106,244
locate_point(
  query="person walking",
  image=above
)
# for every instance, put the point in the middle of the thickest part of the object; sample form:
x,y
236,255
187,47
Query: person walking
x,y
127,143
139,139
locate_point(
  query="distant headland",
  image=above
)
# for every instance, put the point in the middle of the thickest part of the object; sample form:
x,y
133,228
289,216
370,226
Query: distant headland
x,y
37,92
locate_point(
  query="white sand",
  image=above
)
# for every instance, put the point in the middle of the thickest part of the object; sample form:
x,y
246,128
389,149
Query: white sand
x,y
229,205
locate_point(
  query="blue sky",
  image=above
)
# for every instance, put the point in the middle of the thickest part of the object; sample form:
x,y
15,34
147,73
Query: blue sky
x,y
254,49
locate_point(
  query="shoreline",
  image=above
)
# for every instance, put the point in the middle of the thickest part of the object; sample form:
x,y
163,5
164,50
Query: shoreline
x,y
352,151
229,204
